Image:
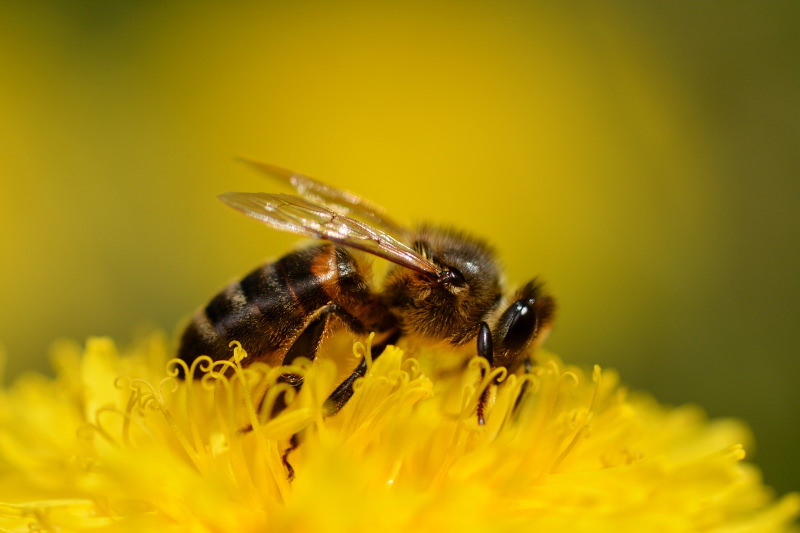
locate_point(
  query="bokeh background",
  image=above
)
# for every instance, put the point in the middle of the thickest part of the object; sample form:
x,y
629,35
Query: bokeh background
x,y
641,156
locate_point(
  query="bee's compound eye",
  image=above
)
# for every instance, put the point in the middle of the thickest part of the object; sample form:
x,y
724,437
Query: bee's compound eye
x,y
520,324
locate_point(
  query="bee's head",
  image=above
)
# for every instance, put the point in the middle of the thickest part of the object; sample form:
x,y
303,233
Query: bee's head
x,y
447,306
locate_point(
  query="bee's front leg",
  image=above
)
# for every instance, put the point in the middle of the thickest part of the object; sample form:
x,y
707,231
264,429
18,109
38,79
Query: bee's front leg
x,y
527,368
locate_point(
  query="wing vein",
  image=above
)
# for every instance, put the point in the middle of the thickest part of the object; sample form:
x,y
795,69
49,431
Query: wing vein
x,y
298,215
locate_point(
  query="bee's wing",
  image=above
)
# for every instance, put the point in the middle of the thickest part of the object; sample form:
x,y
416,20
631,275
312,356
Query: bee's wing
x,y
338,200
298,215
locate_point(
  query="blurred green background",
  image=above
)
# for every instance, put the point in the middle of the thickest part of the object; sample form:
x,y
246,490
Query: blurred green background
x,y
642,157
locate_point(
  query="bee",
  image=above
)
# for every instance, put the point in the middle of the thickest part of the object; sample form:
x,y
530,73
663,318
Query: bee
x,y
442,285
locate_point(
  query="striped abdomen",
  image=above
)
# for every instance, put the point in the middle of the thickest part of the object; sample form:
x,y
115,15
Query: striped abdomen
x,y
269,308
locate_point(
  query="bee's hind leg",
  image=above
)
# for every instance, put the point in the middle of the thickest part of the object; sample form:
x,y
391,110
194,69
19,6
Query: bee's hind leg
x,y
305,345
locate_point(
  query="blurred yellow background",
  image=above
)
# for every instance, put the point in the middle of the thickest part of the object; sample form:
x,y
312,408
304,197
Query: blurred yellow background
x,y
641,157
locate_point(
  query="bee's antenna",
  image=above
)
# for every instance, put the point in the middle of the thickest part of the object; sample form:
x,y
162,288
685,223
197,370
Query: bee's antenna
x,y
485,348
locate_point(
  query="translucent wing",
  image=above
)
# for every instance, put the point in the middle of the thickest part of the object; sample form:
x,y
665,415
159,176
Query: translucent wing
x,y
341,201
298,215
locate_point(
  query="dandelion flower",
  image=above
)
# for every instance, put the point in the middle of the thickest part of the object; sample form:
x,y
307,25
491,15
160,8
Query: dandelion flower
x,y
115,442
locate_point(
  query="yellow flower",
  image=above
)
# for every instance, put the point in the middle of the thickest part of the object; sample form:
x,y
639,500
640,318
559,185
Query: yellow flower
x,y
113,443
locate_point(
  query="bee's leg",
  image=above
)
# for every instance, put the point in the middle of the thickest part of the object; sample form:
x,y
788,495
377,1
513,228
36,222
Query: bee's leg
x,y
527,366
305,345
522,326
486,351
344,391
294,442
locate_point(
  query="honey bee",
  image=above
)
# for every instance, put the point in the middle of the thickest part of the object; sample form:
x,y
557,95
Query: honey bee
x,y
443,285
